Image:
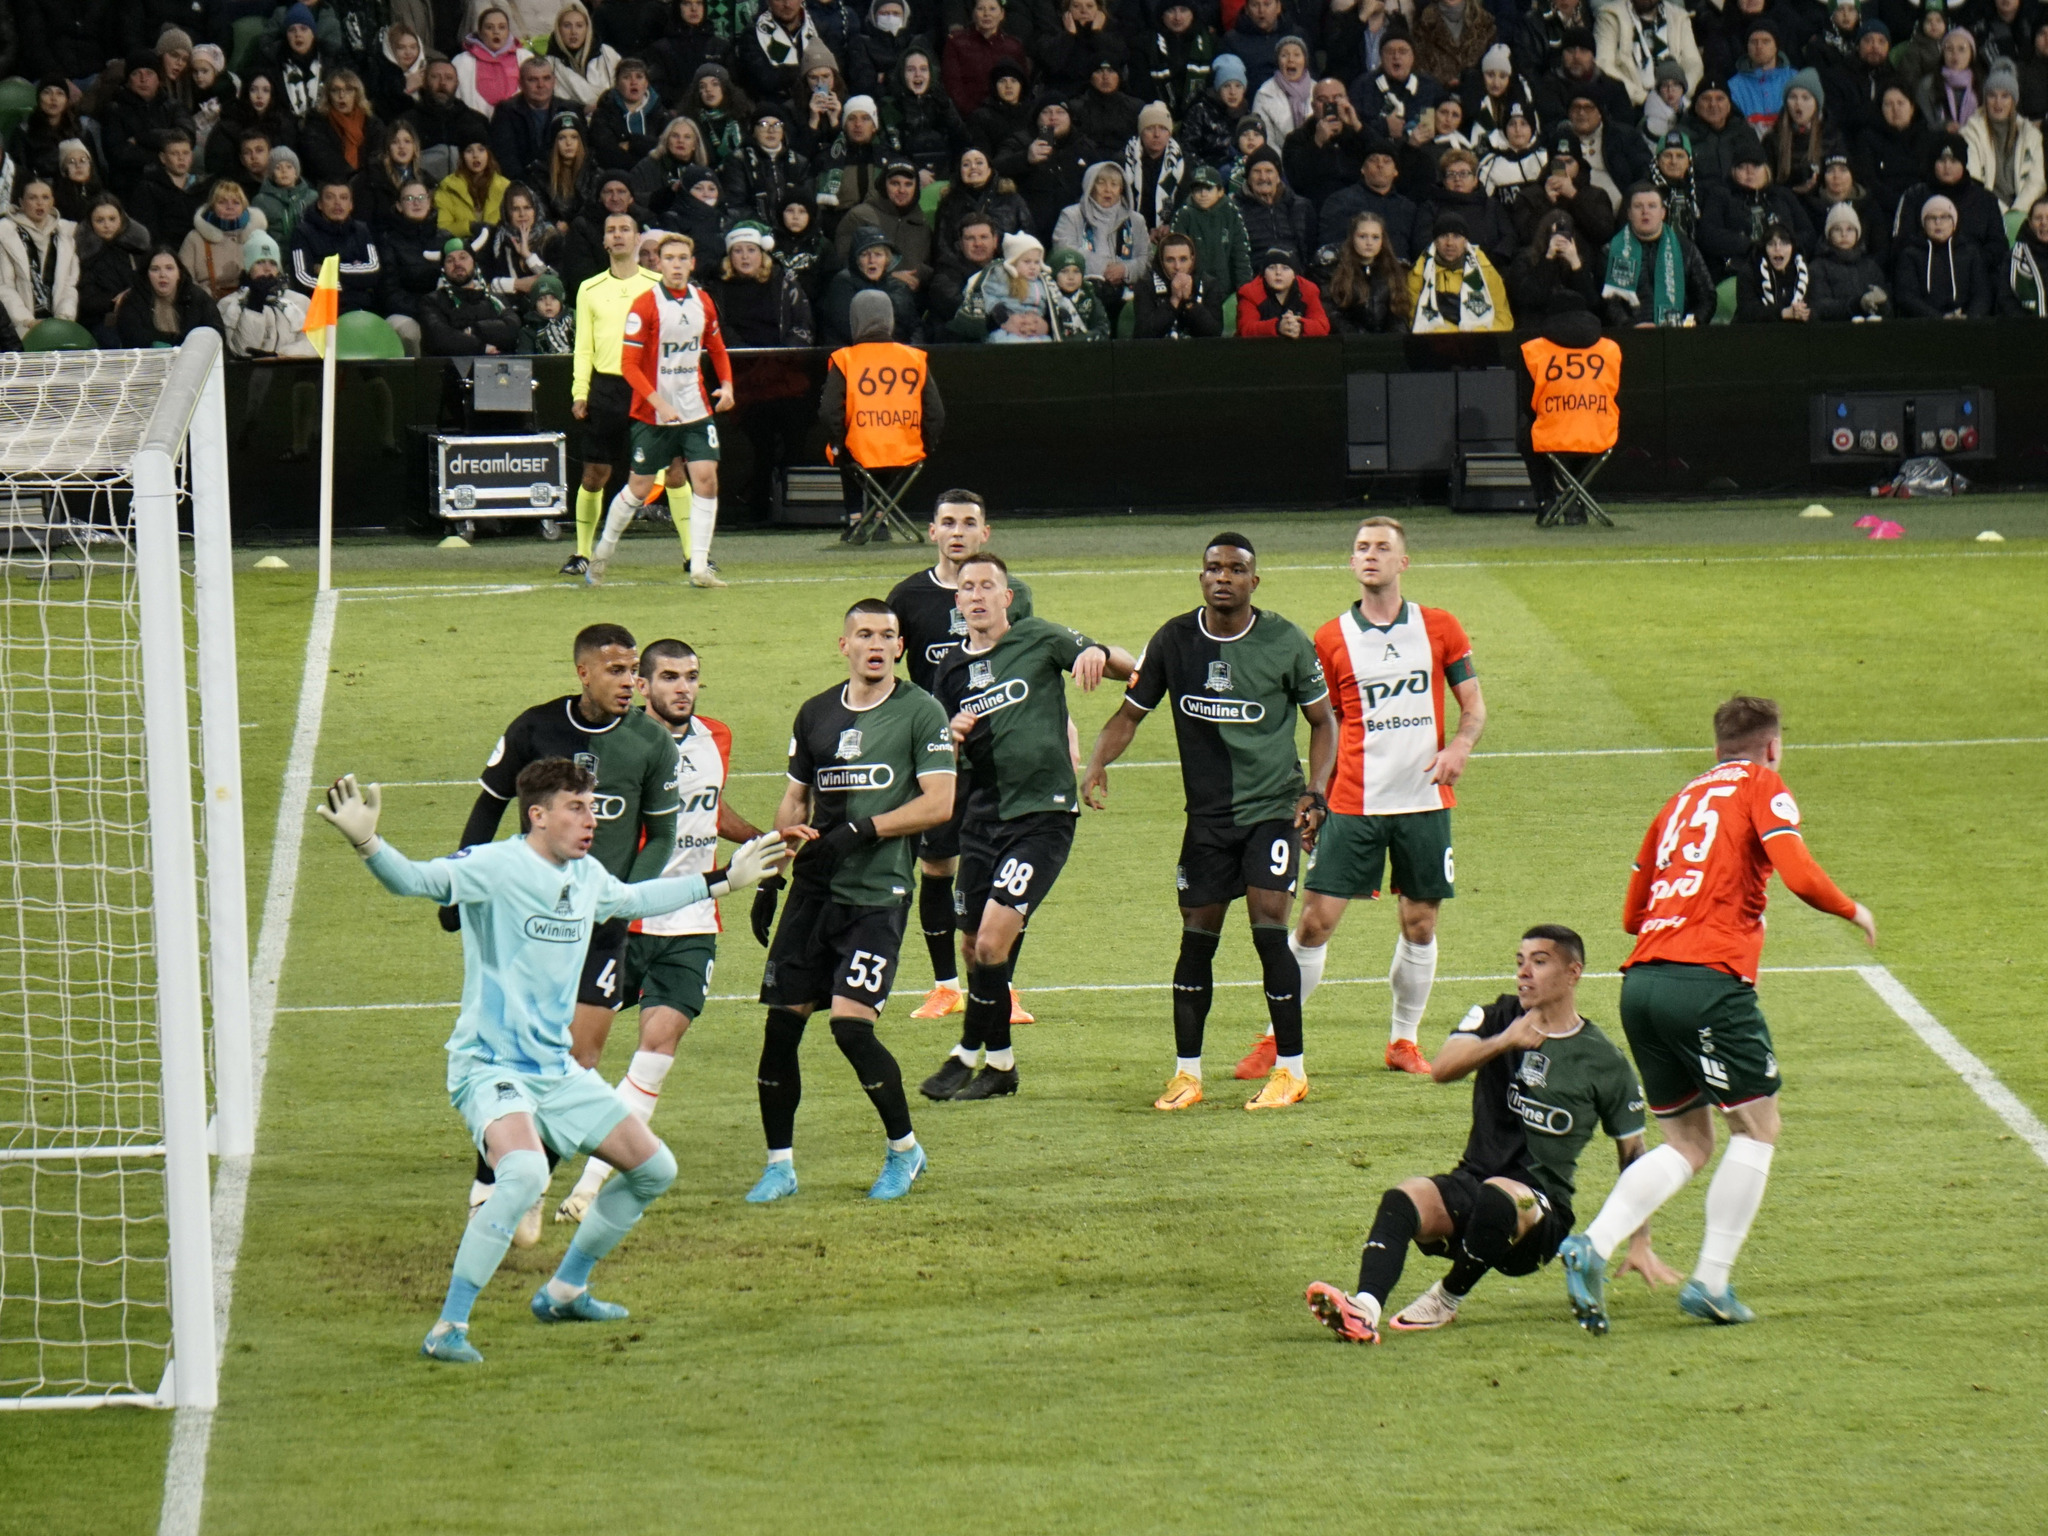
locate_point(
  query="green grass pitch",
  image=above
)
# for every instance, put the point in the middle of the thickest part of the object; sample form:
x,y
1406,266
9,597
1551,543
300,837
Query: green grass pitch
x,y
1088,1316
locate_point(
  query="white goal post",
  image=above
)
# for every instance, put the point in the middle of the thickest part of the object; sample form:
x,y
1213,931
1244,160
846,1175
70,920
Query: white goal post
x,y
124,987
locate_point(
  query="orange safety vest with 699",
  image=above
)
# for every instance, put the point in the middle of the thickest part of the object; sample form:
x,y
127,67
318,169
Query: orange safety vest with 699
x,y
884,402
1574,398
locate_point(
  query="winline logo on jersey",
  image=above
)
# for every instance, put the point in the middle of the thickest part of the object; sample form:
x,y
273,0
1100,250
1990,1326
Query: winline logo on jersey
x,y
1538,1116
1222,711
556,930
1015,691
856,776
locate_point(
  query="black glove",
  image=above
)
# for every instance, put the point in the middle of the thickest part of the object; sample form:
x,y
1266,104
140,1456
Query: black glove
x,y
763,915
451,919
849,835
261,291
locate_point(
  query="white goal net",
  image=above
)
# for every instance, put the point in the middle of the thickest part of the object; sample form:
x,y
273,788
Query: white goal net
x,y
123,965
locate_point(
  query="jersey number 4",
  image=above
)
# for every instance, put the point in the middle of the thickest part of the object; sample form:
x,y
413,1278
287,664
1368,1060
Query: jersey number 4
x,y
1705,818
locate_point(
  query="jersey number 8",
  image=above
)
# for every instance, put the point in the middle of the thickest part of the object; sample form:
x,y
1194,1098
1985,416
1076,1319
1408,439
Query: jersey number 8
x,y
1014,877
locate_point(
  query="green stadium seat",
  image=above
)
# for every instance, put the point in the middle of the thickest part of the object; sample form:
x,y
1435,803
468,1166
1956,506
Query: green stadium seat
x,y
1126,319
55,335
1724,307
2014,222
243,42
928,199
1230,315
17,100
361,337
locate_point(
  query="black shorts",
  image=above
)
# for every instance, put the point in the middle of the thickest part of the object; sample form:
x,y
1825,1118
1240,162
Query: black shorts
x,y
603,438
1460,1191
604,967
943,841
1011,863
823,949
1219,861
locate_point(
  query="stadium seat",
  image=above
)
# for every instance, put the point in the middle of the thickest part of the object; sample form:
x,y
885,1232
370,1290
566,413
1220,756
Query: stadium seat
x,y
243,42
55,335
1126,319
1229,313
1724,306
2015,220
928,199
17,100
361,337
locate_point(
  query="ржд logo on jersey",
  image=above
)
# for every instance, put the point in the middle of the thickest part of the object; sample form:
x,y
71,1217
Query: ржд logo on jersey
x,y
1376,693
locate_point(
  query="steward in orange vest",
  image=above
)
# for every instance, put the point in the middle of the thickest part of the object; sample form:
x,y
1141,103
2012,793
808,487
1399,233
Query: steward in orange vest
x,y
880,404
1574,382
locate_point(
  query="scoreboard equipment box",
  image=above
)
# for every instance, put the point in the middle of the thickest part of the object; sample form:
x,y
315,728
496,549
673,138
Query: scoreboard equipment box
x,y
520,475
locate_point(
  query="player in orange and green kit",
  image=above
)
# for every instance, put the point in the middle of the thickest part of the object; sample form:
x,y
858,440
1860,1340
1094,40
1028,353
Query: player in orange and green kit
x,y
1688,1004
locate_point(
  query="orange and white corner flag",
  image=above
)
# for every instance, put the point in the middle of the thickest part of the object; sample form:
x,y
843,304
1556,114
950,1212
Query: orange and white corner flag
x,y
325,309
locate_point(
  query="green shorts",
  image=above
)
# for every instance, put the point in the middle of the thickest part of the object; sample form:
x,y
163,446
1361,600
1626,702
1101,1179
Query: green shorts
x,y
655,448
670,970
1352,852
1696,1033
573,1112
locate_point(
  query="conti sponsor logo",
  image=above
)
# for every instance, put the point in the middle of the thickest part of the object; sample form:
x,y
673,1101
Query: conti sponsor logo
x,y
1015,691
1222,711
855,776
556,930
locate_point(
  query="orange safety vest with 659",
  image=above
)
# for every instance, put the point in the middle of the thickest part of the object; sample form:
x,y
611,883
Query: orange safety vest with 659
x,y
1574,397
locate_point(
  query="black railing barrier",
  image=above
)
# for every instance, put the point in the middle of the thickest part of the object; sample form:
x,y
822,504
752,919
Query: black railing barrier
x,y
1162,425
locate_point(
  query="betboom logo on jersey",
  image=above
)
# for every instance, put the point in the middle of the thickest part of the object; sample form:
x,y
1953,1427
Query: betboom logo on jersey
x,y
858,776
1015,691
1377,693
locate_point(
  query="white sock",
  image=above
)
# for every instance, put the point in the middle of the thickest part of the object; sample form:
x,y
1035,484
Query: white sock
x,y
703,523
616,521
781,1155
1004,1060
479,1192
1644,1185
1310,958
1291,1064
1450,1297
967,1057
905,1144
946,981
1732,1200
562,1290
1269,1031
1192,1065
640,1089
1411,976
1369,1304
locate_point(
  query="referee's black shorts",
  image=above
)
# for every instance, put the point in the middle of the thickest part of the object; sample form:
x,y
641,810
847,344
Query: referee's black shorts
x,y
609,412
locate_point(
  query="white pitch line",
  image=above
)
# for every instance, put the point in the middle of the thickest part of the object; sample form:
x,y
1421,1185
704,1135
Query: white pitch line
x,y
1959,1058
192,1429
1803,746
862,577
1102,986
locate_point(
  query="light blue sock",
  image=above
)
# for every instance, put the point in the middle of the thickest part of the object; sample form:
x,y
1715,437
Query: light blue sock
x,y
522,1179
612,1215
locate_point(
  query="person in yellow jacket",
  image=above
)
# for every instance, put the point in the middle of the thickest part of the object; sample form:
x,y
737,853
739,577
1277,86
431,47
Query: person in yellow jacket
x,y
1453,287
473,193
880,407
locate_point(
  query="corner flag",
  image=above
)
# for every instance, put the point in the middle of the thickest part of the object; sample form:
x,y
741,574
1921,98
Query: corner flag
x,y
325,309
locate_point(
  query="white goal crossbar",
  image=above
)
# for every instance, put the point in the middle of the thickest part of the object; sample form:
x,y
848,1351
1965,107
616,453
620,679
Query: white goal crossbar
x,y
153,425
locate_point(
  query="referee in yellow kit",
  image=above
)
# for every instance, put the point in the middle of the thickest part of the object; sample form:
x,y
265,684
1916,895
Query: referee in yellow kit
x,y
601,397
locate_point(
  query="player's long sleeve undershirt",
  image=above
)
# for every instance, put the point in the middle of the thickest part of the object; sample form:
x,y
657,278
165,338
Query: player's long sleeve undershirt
x,y
658,841
484,816
632,899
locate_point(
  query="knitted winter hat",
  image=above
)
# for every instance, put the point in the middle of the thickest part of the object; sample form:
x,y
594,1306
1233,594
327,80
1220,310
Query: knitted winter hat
x,y
1497,60
1670,69
299,16
1843,213
173,40
862,104
2003,77
1229,67
1066,256
1808,80
1155,115
260,247
1936,204
1016,246
549,286
750,232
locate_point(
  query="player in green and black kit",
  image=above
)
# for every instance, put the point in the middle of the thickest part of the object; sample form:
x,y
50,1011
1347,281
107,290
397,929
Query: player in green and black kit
x,y
1006,691
1545,1077
871,766
634,759
1236,674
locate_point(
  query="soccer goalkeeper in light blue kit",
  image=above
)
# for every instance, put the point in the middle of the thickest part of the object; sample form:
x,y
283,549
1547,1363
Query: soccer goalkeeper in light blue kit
x,y
528,905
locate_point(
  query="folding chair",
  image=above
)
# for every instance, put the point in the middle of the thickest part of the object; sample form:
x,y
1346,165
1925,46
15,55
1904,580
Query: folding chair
x,y
881,503
1573,502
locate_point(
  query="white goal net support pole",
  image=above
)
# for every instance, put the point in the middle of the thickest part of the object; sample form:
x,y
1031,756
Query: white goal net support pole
x,y
130,951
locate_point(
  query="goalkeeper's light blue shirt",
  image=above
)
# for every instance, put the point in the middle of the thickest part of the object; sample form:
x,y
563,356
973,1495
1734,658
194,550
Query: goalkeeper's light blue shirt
x,y
526,923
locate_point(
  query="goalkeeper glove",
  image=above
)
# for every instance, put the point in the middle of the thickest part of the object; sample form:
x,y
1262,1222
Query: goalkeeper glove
x,y
763,916
450,919
849,835
752,863
353,812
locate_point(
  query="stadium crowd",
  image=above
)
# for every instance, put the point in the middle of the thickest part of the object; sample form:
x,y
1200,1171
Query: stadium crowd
x,y
1041,171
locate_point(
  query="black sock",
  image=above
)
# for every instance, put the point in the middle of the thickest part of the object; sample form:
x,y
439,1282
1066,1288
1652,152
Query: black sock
x,y
1016,949
880,1078
486,1174
1466,1272
988,1008
1386,1249
935,917
780,1081
1194,984
1282,974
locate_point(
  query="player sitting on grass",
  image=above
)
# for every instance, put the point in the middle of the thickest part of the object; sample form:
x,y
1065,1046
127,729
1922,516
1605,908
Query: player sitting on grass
x,y
1236,675
871,767
1545,1077
669,331
528,906
669,958
1688,1002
